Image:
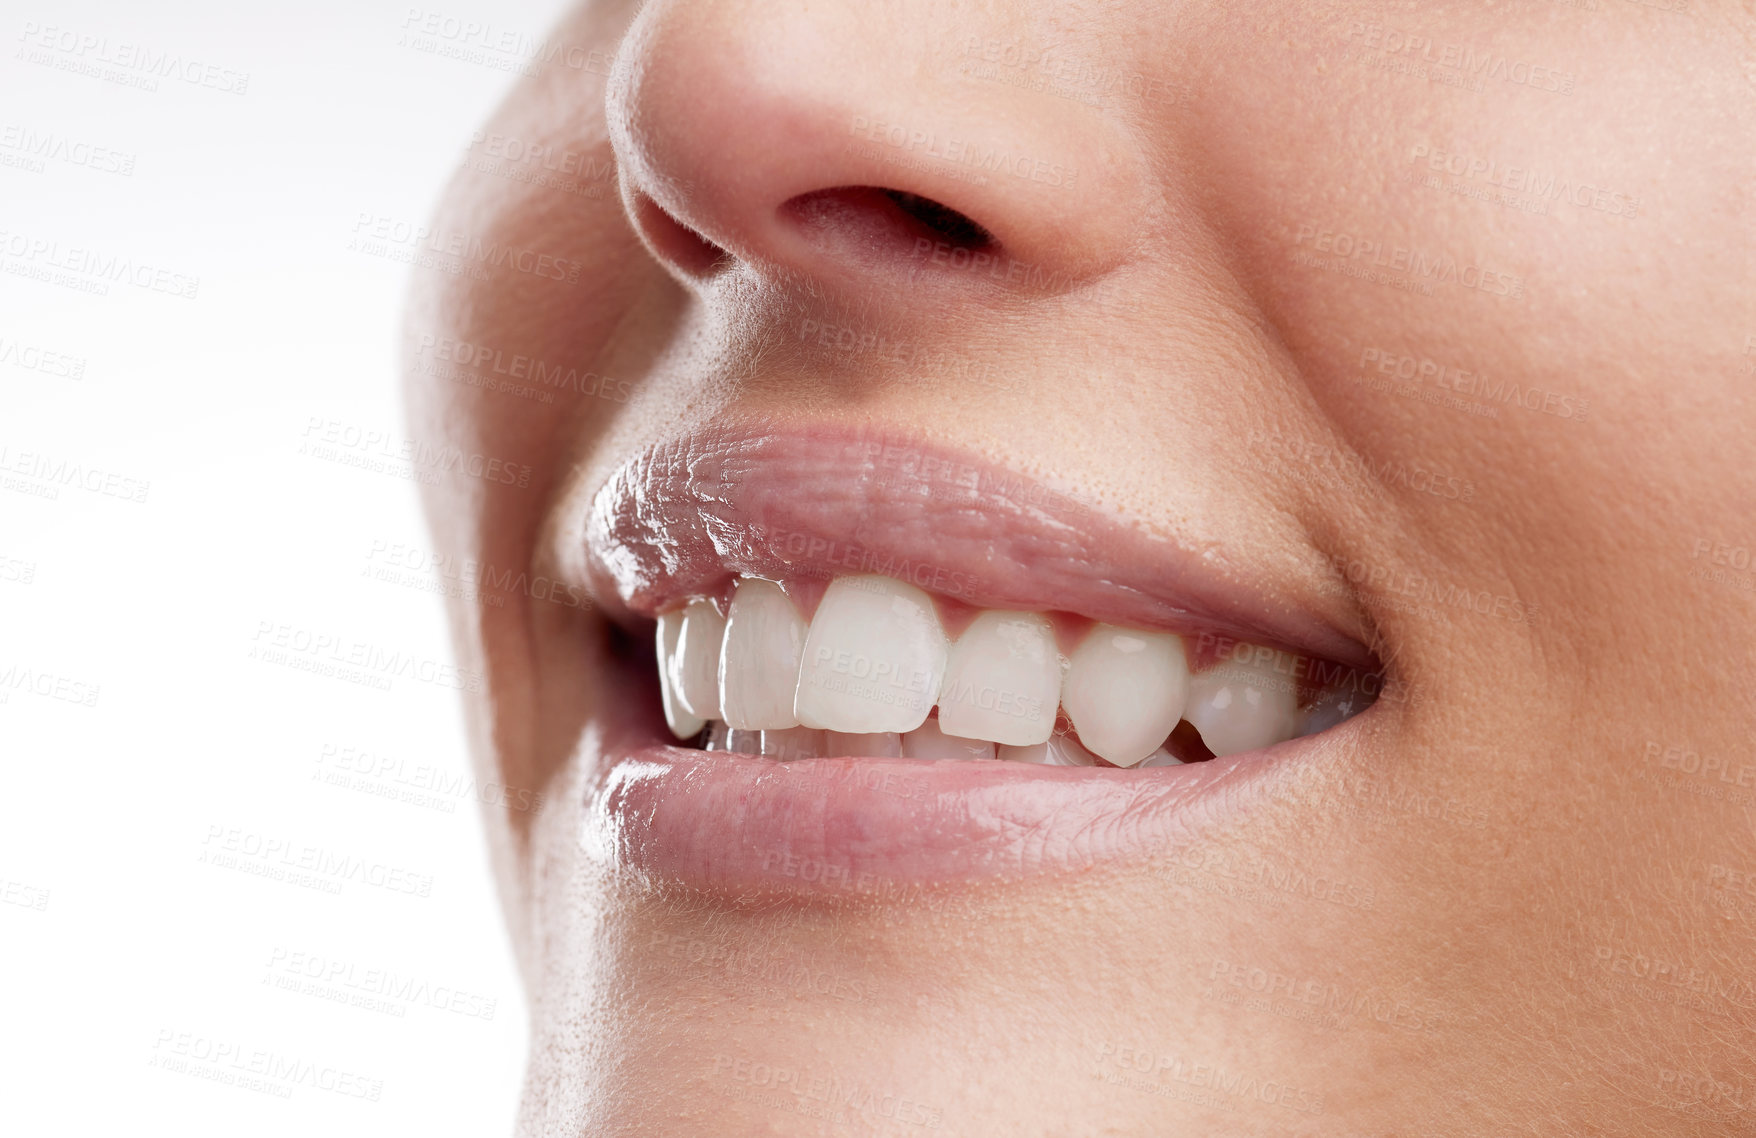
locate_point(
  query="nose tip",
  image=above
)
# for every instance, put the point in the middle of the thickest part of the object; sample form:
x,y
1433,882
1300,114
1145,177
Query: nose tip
x,y
823,141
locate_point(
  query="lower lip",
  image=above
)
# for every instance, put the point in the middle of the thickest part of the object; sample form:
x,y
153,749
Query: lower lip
x,y
877,829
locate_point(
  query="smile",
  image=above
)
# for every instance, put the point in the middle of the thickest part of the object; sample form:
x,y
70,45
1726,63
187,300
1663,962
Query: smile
x,y
1070,695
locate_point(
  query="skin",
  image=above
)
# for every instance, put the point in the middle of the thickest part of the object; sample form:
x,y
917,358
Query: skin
x,y
1513,846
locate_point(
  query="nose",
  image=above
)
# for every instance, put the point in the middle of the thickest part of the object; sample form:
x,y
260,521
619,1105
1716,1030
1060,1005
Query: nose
x,y
857,142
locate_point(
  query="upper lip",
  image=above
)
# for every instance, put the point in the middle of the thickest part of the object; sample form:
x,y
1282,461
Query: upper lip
x,y
790,501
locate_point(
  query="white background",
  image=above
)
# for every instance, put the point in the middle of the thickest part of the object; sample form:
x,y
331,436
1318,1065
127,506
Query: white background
x,y
143,963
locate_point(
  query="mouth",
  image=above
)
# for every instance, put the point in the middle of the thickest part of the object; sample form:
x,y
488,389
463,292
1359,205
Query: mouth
x,y
878,665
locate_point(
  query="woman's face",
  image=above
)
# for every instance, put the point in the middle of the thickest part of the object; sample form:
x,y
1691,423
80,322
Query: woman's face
x,y
1419,342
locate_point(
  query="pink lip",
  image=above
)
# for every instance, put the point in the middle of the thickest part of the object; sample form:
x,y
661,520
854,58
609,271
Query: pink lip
x,y
885,829
681,518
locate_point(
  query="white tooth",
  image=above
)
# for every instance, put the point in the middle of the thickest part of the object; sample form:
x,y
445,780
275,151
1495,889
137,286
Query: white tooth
x,y
743,742
695,668
873,659
1162,758
793,743
683,723
718,735
871,745
1003,680
928,742
759,662
1240,707
1059,751
1125,690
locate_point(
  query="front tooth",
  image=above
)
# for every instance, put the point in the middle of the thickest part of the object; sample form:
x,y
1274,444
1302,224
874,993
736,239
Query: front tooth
x,y
759,662
1240,707
1003,680
928,741
684,724
872,745
695,668
743,742
1125,690
873,660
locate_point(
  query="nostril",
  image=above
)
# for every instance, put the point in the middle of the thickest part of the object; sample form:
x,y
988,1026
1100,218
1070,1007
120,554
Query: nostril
x,y
677,243
882,223
952,227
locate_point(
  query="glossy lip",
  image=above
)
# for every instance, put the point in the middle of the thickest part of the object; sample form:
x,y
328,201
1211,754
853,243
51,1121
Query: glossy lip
x,y
818,502
680,518
871,830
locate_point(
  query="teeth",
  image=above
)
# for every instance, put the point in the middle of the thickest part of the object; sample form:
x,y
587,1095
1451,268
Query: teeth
x,y
873,660
759,662
929,742
1059,751
861,678
1003,680
683,723
872,745
1161,758
1240,707
1125,690
695,667
794,743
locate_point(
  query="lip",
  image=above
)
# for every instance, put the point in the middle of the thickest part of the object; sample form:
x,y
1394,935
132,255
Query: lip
x,y
682,517
870,830
784,503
